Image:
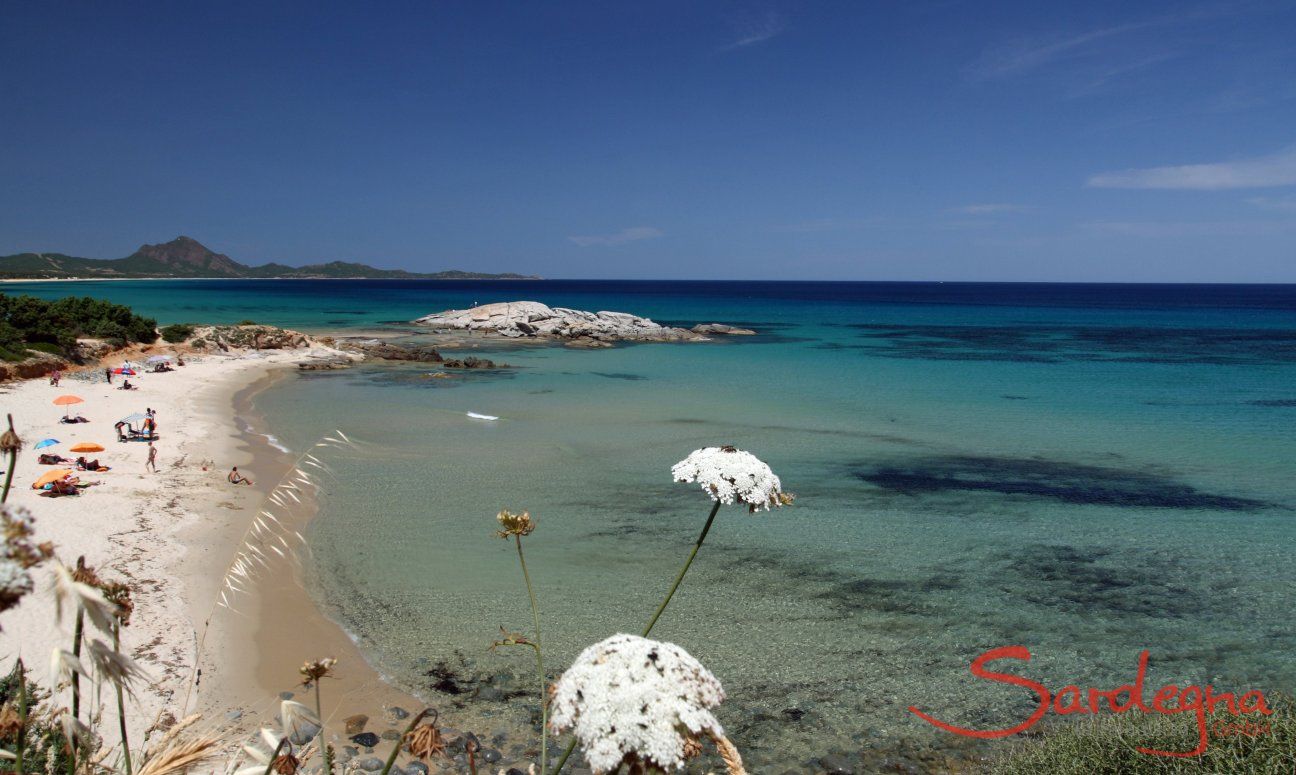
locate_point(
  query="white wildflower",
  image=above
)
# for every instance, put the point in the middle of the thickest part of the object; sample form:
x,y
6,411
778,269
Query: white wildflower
x,y
15,581
633,699
731,475
18,554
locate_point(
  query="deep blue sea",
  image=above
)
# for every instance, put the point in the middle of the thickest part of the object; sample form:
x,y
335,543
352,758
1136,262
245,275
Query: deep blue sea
x,y
1084,470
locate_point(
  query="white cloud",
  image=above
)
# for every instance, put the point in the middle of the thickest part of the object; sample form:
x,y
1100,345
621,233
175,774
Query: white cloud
x,y
1173,229
1278,169
632,234
992,208
1269,203
1030,54
753,30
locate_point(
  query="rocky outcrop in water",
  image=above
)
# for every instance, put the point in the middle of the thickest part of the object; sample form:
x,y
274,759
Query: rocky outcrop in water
x,y
533,320
387,351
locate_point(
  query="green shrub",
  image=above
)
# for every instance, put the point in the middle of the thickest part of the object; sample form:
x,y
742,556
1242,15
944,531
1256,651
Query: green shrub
x,y
26,321
177,332
44,347
1108,745
248,323
45,748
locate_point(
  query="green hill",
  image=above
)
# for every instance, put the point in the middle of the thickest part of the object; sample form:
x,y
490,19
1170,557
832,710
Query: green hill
x,y
186,257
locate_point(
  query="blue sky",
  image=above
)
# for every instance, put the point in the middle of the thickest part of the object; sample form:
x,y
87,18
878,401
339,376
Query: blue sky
x,y
769,140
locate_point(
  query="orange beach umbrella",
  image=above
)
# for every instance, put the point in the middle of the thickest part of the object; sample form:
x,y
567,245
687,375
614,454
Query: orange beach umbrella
x,y
50,476
68,401
87,446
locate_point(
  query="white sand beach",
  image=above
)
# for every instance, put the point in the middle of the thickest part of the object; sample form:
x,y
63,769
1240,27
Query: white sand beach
x,y
171,535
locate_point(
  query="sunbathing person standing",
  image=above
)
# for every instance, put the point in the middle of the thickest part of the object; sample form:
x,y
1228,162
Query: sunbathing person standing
x,y
236,478
152,458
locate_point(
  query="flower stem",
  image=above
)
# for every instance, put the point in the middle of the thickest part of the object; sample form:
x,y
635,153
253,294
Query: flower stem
x,y
651,622
701,537
392,758
77,637
274,757
325,751
540,674
22,718
13,458
121,703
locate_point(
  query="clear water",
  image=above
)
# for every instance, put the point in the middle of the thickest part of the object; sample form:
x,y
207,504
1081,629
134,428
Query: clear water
x,y
1087,471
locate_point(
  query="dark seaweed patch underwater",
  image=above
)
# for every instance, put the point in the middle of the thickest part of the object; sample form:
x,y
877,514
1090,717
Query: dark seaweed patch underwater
x,y
1047,479
1058,344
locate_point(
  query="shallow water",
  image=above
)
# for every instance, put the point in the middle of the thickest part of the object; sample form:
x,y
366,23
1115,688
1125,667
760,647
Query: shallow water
x,y
1081,471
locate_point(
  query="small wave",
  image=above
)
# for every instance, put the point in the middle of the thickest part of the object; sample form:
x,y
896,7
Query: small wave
x,y
273,440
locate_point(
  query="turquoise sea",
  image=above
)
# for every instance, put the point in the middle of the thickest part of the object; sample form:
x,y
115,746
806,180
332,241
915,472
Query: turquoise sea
x,y
1087,471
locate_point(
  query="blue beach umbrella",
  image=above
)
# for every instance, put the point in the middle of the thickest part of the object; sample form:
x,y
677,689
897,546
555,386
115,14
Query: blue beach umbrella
x,y
43,443
133,418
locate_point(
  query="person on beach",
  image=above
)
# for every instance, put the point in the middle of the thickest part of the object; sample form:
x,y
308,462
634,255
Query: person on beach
x,y
55,376
108,375
152,458
236,478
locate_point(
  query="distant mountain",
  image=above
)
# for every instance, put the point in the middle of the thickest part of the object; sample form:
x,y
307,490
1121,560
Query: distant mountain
x,y
186,257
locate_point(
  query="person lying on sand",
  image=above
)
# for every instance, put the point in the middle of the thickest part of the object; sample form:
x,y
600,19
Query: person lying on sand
x,y
63,487
236,478
47,459
89,465
70,420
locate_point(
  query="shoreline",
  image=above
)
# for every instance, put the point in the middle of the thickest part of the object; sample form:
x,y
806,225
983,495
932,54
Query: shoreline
x,y
171,536
254,686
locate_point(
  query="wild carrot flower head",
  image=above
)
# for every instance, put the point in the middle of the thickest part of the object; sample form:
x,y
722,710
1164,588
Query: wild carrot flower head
x,y
18,555
313,671
514,524
630,699
729,475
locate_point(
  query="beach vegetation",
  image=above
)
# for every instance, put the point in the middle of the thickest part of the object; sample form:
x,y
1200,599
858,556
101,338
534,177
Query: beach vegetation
x,y
176,332
54,326
515,526
728,476
1108,745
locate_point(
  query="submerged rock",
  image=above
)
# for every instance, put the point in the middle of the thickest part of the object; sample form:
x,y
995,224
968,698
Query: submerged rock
x,y
365,739
533,320
721,328
355,724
